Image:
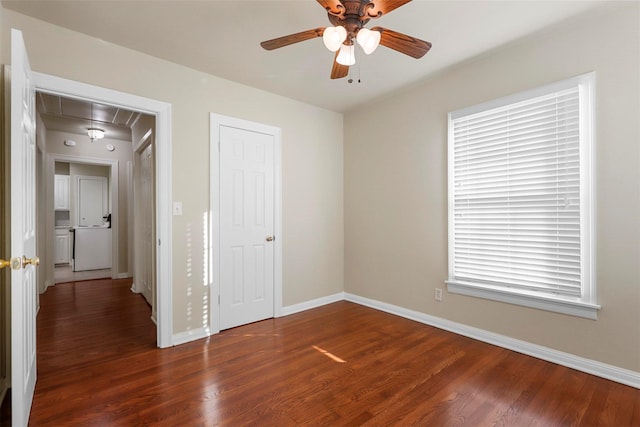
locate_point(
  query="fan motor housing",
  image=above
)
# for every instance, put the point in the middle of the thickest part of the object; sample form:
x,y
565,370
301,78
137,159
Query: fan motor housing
x,y
352,17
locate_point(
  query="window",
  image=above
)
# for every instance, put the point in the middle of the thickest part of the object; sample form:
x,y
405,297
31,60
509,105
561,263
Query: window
x,y
520,202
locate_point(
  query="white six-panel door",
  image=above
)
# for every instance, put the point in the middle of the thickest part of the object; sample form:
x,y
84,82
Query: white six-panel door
x,y
147,238
23,233
246,226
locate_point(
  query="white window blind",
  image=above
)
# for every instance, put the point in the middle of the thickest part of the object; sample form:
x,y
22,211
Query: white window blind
x,y
515,215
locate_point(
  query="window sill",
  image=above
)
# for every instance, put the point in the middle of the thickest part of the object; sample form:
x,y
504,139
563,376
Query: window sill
x,y
572,307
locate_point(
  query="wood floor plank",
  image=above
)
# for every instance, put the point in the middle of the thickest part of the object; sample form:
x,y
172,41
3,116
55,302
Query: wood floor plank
x,y
337,365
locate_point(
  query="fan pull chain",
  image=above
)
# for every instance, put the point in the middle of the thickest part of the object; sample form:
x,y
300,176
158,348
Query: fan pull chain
x,y
357,62
350,68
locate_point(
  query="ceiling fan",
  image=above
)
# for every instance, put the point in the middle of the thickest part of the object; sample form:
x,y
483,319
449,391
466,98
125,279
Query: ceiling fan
x,y
349,18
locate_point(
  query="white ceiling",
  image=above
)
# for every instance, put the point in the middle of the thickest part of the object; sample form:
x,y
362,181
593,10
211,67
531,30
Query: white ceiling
x,y
75,116
222,38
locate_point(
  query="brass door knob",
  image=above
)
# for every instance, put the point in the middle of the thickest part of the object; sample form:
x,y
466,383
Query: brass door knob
x,y
35,261
14,263
270,238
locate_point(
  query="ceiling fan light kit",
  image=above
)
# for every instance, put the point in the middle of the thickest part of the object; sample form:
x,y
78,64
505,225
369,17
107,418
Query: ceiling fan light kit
x,y
368,40
333,37
347,55
348,19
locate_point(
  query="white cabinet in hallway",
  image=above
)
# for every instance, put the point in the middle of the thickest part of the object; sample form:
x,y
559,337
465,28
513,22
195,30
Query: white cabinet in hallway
x,y
62,252
61,192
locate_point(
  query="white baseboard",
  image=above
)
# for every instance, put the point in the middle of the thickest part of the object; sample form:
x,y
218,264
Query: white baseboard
x,y
196,334
308,305
192,335
122,276
610,372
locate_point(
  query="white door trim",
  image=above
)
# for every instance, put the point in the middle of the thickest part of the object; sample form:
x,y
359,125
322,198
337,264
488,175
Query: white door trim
x,y
213,256
162,112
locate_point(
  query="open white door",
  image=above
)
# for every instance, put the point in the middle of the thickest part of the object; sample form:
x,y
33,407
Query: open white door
x,y
23,233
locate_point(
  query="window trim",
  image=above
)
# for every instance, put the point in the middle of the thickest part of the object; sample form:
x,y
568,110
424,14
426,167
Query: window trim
x,y
584,306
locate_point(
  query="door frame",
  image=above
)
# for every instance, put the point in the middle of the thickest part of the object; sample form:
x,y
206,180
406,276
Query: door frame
x,y
213,220
162,112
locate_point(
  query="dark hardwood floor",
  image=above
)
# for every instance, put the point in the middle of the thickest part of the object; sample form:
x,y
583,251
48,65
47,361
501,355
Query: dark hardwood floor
x,y
338,365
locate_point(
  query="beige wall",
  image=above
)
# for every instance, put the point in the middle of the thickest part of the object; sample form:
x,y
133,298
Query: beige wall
x,y
312,156
61,168
396,187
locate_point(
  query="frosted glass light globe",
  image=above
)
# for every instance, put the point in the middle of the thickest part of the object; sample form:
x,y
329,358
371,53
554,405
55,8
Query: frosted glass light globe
x,y
347,55
368,40
333,37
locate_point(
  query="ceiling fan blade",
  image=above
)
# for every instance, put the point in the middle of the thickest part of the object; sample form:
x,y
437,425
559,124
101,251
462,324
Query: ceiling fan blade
x,y
403,43
292,38
339,71
377,8
334,7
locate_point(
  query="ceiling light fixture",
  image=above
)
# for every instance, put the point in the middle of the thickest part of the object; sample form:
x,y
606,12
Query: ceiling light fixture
x,y
368,40
347,55
348,19
333,37
94,133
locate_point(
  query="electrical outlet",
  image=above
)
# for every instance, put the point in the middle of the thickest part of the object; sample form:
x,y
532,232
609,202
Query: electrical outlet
x,y
438,294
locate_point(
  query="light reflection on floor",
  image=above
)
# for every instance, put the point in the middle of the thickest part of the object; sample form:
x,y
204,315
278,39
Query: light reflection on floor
x,y
329,355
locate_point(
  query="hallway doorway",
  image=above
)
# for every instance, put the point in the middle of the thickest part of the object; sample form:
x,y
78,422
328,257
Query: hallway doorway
x,y
162,113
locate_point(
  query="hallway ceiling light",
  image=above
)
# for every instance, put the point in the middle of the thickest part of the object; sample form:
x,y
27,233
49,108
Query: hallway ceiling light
x,y
93,132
